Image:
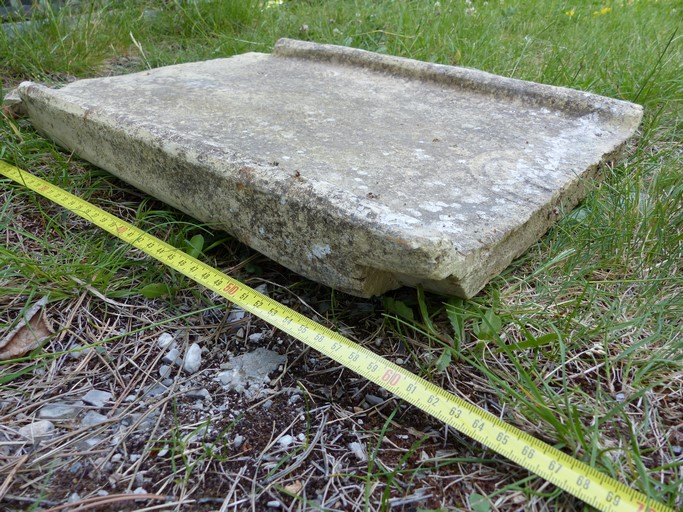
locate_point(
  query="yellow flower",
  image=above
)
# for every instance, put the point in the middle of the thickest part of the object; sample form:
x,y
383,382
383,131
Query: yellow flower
x,y
604,10
570,13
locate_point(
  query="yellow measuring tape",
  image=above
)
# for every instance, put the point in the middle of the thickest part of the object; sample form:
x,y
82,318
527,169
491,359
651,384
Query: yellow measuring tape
x,y
575,477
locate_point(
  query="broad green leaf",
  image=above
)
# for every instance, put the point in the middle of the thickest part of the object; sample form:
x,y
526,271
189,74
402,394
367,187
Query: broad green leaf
x,y
443,361
489,327
535,342
577,215
195,245
399,308
155,290
479,503
456,316
253,268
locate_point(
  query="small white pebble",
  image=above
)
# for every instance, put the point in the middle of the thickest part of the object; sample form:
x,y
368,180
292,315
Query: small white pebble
x,y
285,441
236,315
139,490
172,356
165,340
274,504
164,371
256,337
358,451
193,359
77,351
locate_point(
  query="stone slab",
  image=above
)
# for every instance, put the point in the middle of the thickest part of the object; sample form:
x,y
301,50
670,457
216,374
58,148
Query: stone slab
x,y
361,171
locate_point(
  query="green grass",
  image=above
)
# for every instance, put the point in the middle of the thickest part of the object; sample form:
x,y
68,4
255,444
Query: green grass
x,y
578,342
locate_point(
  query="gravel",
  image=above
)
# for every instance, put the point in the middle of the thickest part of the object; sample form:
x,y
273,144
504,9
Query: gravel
x,y
37,430
358,451
256,337
154,390
165,371
193,359
172,356
236,315
373,399
59,411
165,340
93,418
198,393
96,397
286,441
248,373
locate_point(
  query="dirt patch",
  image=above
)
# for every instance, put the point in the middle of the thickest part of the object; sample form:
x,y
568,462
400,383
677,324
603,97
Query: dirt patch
x,y
309,436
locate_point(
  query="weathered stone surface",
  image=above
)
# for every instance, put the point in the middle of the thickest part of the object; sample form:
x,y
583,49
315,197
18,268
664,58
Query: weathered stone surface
x,y
92,418
38,430
362,171
198,394
172,357
96,397
59,411
165,340
249,372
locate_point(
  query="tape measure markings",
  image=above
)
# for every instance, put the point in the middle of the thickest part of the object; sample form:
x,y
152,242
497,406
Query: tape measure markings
x,y
566,472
